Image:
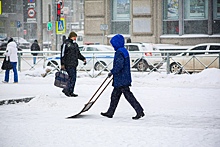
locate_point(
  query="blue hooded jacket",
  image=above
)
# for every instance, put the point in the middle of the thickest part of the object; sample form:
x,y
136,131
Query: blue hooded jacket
x,y
121,64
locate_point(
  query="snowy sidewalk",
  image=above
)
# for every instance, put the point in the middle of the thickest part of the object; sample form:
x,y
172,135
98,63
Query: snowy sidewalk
x,y
181,110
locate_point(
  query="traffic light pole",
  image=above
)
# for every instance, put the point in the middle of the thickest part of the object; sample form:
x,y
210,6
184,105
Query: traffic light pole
x,y
54,38
58,4
39,23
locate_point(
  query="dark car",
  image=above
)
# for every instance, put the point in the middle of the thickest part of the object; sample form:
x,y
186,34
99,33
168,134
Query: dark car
x,y
3,46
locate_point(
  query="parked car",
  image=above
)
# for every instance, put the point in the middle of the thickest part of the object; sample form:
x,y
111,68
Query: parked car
x,y
2,38
146,60
31,40
47,45
170,47
22,43
96,48
3,46
101,60
196,61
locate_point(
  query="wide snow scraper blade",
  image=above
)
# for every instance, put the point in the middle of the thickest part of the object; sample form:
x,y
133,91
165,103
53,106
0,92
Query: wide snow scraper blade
x,y
94,98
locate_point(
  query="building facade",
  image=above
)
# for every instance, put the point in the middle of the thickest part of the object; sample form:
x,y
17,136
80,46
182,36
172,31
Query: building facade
x,y
181,22
29,15
11,14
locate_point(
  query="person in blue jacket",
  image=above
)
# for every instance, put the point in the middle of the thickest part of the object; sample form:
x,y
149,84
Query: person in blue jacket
x,y
121,79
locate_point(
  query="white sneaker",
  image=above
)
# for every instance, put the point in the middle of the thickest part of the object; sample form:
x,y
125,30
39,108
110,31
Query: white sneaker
x,y
4,82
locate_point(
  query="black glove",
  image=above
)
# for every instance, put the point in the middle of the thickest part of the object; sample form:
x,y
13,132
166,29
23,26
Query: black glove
x,y
109,75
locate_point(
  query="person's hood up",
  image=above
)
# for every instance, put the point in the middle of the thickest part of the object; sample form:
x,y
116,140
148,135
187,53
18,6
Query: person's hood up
x,y
35,41
117,41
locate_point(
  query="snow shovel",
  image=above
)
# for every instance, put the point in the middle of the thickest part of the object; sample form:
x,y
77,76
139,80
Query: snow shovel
x,y
94,98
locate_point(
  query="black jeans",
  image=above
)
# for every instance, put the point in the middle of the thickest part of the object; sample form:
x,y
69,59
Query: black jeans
x,y
115,97
72,80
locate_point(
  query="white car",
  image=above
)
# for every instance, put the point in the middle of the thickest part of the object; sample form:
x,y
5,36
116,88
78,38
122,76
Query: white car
x,y
22,43
196,61
47,45
145,60
98,57
170,47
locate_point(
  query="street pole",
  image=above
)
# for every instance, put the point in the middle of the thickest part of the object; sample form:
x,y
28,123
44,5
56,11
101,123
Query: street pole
x,y
53,38
39,23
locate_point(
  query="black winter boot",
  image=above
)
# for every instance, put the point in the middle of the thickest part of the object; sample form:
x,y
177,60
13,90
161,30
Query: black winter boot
x,y
73,95
139,115
106,115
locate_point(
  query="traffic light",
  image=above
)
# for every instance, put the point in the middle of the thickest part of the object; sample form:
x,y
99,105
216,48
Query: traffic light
x,y
49,26
58,11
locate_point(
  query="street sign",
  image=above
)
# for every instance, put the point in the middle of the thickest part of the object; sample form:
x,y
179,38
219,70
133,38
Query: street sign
x,y
31,12
61,26
25,32
31,20
31,1
49,26
18,24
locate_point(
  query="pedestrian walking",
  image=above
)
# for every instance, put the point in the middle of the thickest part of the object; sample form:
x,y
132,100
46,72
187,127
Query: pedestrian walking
x,y
35,47
11,52
121,79
70,54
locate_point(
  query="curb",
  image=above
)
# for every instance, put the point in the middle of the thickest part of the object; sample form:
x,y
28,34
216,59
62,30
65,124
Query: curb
x,y
15,101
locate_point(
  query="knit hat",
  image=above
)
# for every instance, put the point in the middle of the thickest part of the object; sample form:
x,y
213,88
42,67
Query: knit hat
x,y
72,34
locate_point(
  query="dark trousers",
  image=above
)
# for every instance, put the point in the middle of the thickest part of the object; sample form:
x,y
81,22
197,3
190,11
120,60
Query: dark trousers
x,y
115,97
72,80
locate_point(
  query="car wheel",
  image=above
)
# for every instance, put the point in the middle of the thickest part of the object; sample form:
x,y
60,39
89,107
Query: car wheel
x,y
99,66
142,65
175,68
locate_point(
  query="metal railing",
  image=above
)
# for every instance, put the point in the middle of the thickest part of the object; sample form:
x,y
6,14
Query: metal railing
x,y
100,61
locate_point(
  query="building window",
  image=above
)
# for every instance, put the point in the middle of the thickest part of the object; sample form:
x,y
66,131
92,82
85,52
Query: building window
x,y
120,17
196,16
171,17
191,17
216,17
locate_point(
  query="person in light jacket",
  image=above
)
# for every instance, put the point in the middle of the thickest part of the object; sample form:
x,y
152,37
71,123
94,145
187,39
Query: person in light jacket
x,y
11,52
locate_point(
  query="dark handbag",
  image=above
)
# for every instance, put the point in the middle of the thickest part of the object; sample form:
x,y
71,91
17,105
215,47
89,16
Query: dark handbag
x,y
61,79
6,65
